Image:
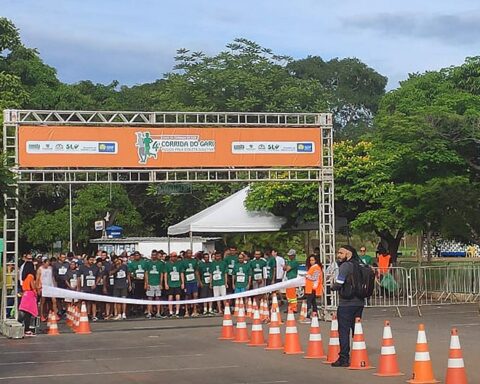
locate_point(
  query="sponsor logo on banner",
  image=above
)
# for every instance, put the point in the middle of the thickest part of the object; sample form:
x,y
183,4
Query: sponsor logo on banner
x,y
71,147
272,147
149,145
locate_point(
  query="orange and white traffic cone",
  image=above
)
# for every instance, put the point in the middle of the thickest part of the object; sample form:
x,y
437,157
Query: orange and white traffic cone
x,y
303,312
257,339
276,308
52,324
237,306
292,341
83,326
422,366
334,342
387,363
315,345
249,308
456,373
227,326
359,357
241,332
264,311
76,318
274,335
68,321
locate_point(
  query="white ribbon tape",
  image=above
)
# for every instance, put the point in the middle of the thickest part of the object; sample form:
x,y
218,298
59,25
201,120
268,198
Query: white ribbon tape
x,y
67,294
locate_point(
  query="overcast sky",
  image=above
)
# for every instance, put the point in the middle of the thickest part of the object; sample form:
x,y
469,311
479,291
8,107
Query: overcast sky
x,y
134,41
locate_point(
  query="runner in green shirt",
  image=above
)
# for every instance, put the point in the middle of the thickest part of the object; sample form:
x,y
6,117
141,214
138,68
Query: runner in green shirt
x,y
175,281
271,265
291,267
204,270
219,282
137,269
241,275
153,282
230,258
190,270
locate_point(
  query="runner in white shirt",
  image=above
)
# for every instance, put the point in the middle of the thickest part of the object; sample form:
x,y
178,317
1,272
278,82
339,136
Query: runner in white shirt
x,y
44,279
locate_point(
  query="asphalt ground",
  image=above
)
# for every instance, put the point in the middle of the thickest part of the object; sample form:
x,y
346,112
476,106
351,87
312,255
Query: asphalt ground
x,y
188,351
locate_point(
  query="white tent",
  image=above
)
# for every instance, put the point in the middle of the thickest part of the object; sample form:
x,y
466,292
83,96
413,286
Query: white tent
x,y
228,215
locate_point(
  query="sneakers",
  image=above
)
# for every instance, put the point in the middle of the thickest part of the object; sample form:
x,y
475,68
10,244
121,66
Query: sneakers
x,y
158,316
30,334
118,317
94,318
341,363
124,317
148,316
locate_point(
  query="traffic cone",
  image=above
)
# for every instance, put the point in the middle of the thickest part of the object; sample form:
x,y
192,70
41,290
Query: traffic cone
x,y
241,333
387,363
256,338
264,311
235,309
52,324
83,326
292,341
274,336
75,318
315,345
422,366
334,342
227,326
249,308
68,321
276,308
303,312
359,358
456,368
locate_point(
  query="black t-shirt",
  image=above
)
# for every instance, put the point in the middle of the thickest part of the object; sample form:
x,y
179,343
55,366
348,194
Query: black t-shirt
x,y
71,276
60,271
120,277
88,276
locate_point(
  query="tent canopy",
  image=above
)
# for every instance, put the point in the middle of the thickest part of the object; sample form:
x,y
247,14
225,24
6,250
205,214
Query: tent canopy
x,y
229,215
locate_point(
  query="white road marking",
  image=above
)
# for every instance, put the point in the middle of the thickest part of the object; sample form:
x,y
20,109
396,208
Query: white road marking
x,y
98,359
85,349
140,371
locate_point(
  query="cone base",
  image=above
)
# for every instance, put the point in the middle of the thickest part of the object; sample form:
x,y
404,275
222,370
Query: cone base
x,y
361,368
274,348
53,334
389,374
294,353
227,338
241,341
315,357
83,333
328,361
257,345
412,381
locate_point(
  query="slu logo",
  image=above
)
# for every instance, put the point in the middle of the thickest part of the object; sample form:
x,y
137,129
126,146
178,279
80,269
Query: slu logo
x,y
146,147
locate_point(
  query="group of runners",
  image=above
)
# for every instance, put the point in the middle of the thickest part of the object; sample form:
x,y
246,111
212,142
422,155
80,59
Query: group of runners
x,y
159,276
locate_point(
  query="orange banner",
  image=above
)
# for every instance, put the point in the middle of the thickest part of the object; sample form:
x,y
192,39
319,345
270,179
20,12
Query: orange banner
x,y
152,147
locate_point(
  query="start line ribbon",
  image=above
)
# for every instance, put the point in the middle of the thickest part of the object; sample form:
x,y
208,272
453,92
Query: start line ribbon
x,y
67,294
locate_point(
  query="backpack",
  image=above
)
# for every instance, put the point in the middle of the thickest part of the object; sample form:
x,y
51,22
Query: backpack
x,y
363,277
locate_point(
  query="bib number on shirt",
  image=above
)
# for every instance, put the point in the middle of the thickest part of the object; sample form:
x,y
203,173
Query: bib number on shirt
x,y
190,277
175,276
240,278
73,283
62,271
90,282
111,280
207,279
121,274
258,276
217,276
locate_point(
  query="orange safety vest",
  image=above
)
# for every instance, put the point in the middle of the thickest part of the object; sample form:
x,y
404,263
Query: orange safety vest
x,y
383,263
317,284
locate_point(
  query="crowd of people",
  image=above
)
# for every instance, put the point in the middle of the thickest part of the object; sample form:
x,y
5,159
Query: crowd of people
x,y
160,276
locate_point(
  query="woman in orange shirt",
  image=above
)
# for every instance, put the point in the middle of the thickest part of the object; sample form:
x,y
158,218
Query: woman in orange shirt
x,y
313,284
28,304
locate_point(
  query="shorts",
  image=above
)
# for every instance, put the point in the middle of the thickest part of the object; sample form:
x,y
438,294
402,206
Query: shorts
x,y
240,290
191,288
139,289
175,291
205,292
99,290
219,291
258,284
154,291
62,284
120,292
278,281
109,290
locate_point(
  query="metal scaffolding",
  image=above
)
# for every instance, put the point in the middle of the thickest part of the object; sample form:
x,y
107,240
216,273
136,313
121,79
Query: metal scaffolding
x,y
13,119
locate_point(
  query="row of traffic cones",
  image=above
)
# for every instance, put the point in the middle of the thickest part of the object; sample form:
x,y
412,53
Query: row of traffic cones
x,y
77,320
388,364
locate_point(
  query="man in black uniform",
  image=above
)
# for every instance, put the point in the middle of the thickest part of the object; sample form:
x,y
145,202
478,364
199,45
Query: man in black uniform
x,y
60,269
350,306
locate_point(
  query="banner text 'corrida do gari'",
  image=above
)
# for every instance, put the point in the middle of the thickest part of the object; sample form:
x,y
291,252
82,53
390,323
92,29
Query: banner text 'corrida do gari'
x,y
153,147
